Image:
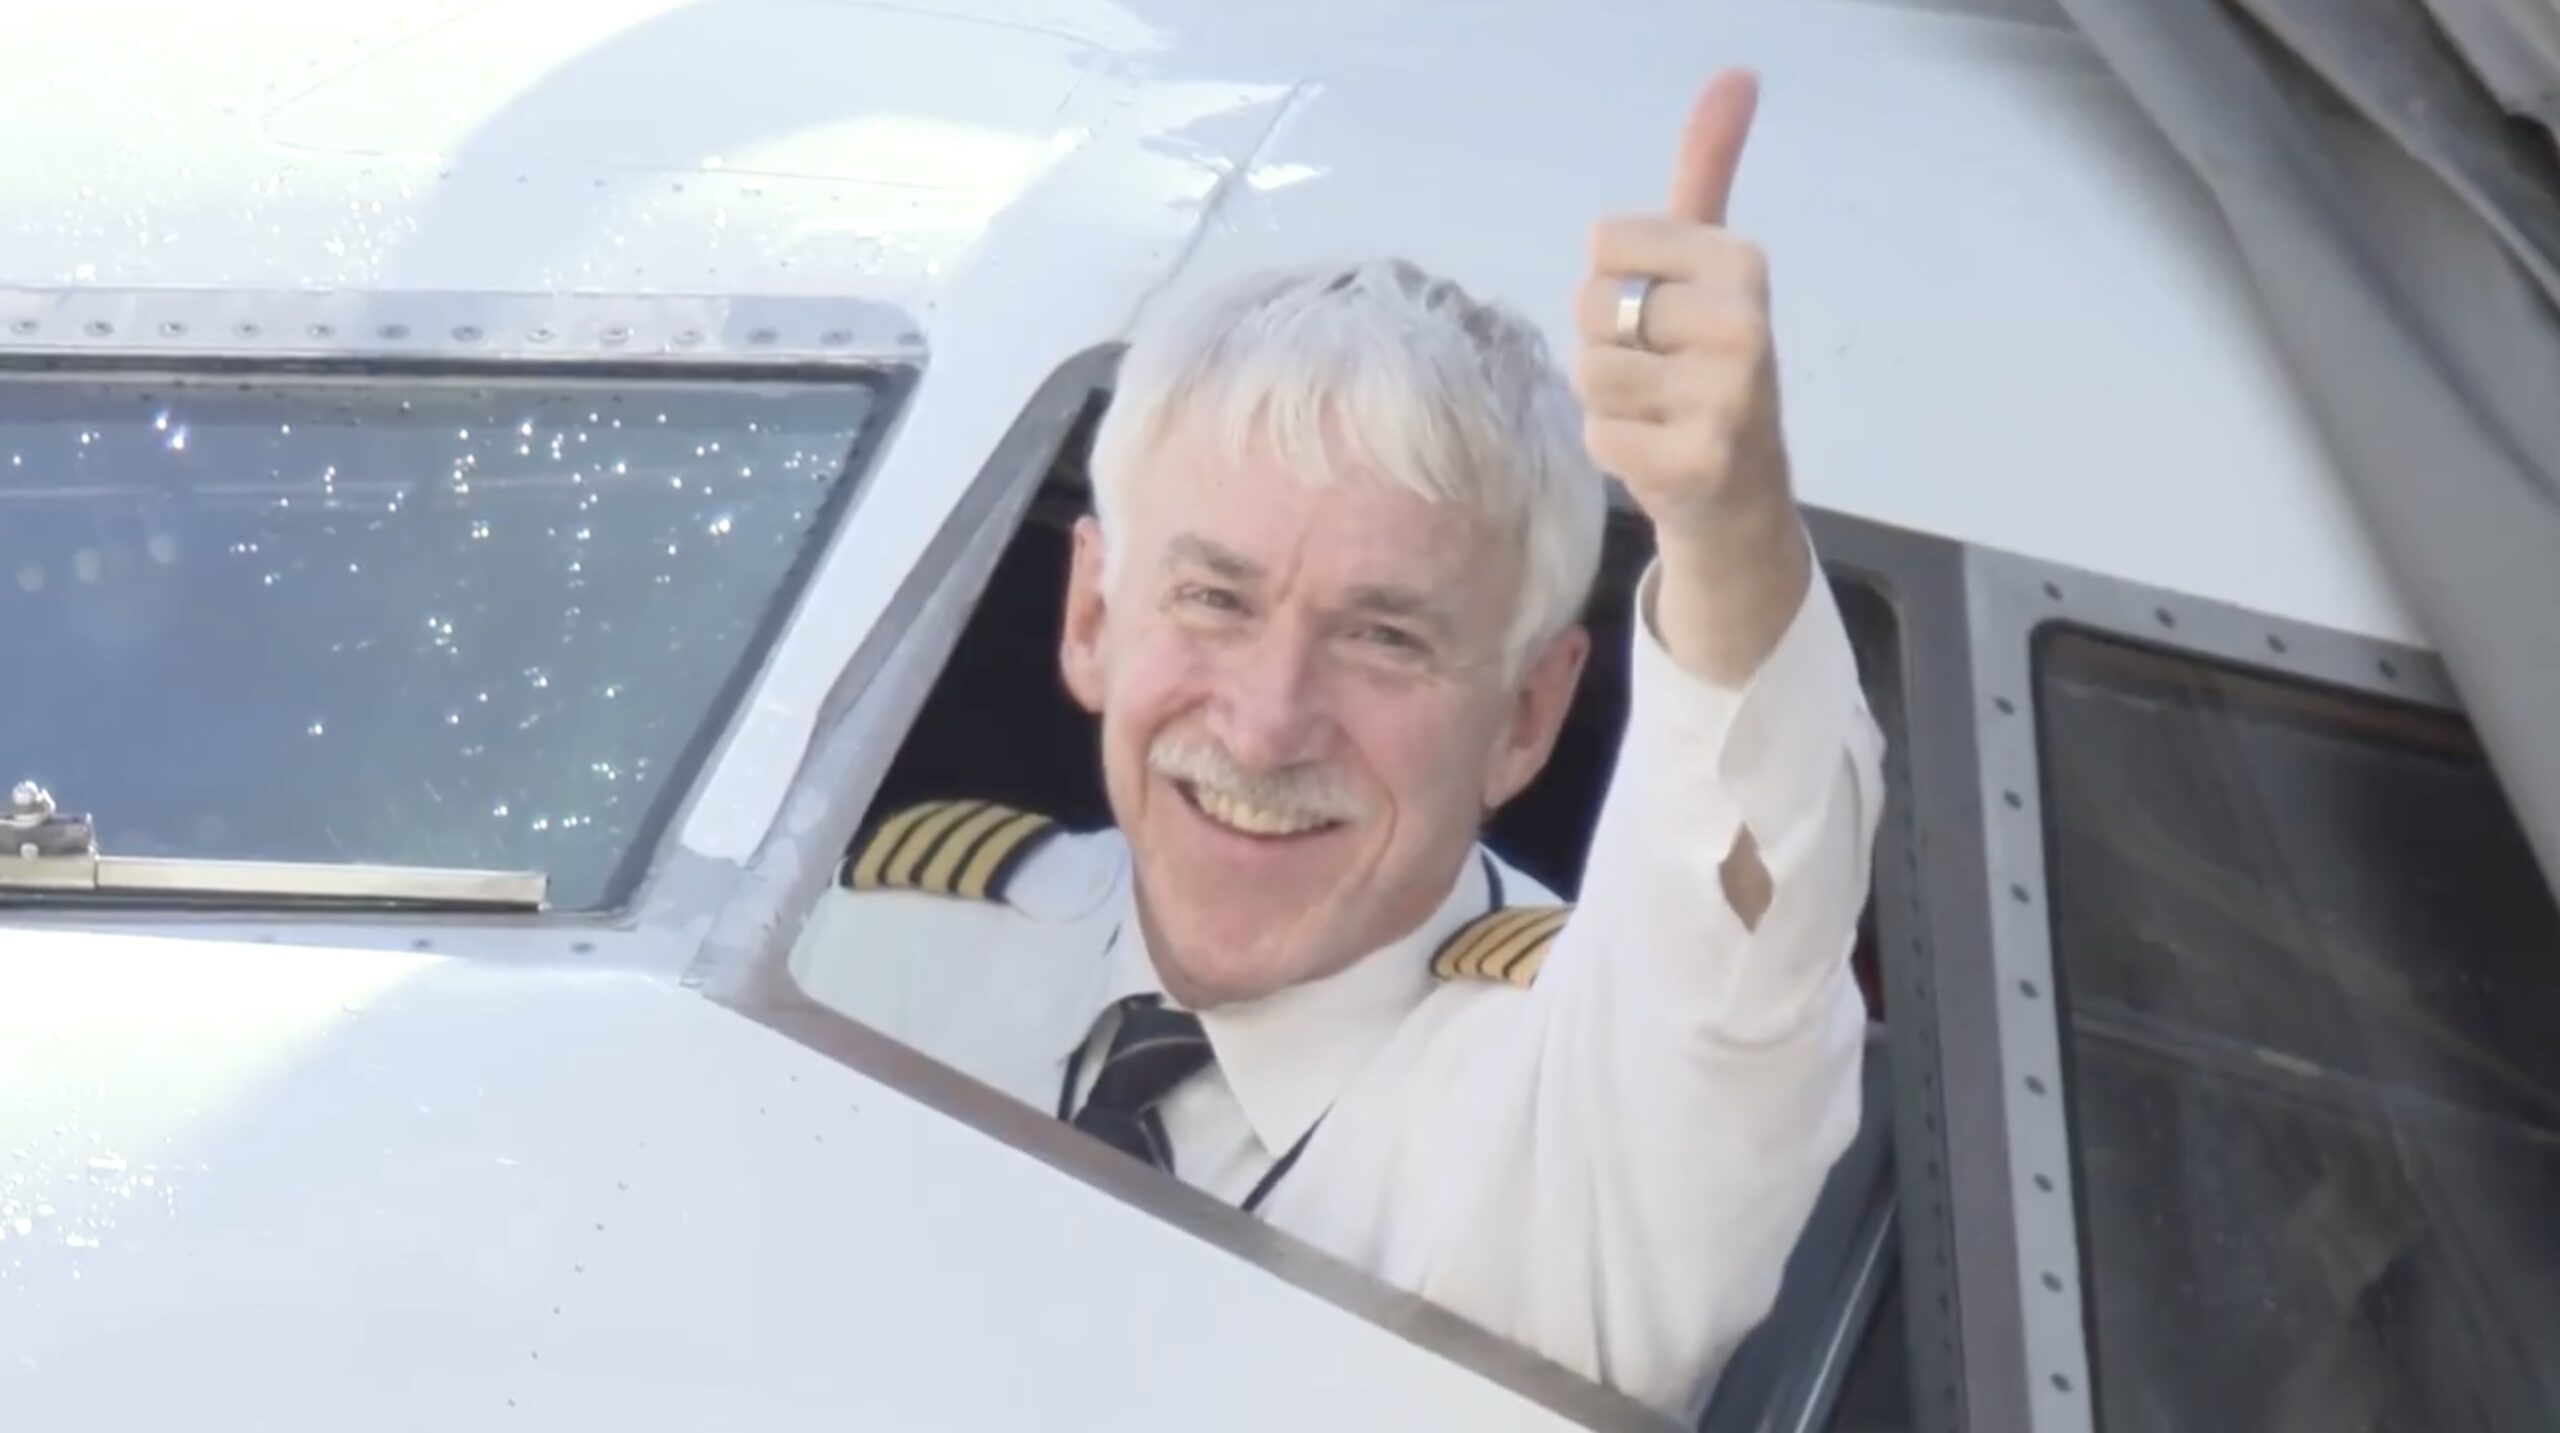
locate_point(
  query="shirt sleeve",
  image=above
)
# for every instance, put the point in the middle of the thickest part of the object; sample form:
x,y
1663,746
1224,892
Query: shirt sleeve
x,y
1792,756
1678,1083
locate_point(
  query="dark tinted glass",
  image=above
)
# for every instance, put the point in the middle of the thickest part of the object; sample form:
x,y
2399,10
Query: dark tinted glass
x,y
452,623
2312,982
1875,1395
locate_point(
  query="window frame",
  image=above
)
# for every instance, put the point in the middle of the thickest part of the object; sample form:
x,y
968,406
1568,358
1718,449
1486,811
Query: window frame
x,y
2039,1374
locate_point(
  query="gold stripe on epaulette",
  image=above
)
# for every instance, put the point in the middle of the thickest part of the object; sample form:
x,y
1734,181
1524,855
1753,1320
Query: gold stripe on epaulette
x,y
1507,945
947,848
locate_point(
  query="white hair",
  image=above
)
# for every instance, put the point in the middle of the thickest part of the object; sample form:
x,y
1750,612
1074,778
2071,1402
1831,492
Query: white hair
x,y
1451,397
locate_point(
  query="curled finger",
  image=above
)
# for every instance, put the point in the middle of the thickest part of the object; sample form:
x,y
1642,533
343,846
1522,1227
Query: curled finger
x,y
1618,382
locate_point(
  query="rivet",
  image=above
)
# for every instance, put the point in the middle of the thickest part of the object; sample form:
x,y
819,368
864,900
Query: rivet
x,y
2053,1282
321,330
762,337
2013,800
245,330
2390,673
2062,1383
615,335
2035,1084
2275,643
173,329
836,338
25,325
582,947
540,335
2006,707
2044,1184
466,333
2166,617
100,328
395,331
2028,989
2053,590
422,943
690,338
2018,893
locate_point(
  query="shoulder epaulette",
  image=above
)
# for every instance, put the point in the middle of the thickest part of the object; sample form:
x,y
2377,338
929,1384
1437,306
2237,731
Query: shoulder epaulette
x,y
1509,944
968,849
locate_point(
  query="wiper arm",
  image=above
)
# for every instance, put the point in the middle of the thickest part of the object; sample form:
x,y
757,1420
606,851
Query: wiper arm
x,y
44,850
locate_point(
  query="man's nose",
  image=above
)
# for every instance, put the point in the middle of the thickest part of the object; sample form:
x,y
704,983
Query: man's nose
x,y
1268,711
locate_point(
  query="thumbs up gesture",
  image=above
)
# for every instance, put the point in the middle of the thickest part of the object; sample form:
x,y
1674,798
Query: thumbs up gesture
x,y
1679,389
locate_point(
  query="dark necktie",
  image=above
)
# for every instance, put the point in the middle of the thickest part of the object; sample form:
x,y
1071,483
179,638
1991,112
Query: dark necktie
x,y
1152,1052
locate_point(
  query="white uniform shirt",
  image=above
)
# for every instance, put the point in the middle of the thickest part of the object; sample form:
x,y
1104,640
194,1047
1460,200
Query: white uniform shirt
x,y
1608,1166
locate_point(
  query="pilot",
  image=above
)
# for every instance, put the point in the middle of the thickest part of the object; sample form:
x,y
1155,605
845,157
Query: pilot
x,y
1345,520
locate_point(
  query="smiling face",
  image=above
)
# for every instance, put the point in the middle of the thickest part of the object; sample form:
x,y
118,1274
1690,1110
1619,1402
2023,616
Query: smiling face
x,y
1306,708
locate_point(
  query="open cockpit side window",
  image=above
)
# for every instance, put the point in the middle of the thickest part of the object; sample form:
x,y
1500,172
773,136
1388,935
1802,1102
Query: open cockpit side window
x,y
997,725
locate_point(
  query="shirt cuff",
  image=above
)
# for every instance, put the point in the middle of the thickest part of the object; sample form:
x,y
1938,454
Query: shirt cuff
x,y
1774,744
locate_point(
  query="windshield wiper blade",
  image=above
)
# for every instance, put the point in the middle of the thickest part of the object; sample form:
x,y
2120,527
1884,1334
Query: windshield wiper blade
x,y
42,850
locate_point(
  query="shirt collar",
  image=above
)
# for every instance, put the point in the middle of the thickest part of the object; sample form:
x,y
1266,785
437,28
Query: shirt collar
x,y
1290,1054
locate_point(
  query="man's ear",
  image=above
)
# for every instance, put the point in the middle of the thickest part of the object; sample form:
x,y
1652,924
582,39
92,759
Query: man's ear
x,y
1536,716
1080,644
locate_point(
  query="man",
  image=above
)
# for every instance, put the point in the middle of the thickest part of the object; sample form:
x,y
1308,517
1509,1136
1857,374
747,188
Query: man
x,y
1326,609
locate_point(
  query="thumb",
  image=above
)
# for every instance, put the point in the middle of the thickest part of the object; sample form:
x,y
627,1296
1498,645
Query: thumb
x,y
1711,146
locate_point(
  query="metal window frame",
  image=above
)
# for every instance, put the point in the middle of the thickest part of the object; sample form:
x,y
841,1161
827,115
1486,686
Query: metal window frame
x,y
2041,1380
1927,855
446,336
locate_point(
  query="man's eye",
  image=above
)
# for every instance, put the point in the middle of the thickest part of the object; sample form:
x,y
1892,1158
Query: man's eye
x,y
1209,599
1393,639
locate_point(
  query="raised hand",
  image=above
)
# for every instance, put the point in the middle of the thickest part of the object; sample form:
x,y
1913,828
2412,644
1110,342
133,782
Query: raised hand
x,y
1679,387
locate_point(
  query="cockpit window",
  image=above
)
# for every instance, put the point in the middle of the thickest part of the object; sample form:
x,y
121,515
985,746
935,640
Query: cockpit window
x,y
489,622
2308,972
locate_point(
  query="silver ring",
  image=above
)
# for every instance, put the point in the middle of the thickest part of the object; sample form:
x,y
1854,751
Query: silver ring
x,y
1632,293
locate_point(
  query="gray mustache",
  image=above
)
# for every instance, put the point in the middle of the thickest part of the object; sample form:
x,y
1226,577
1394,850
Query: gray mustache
x,y
1299,792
